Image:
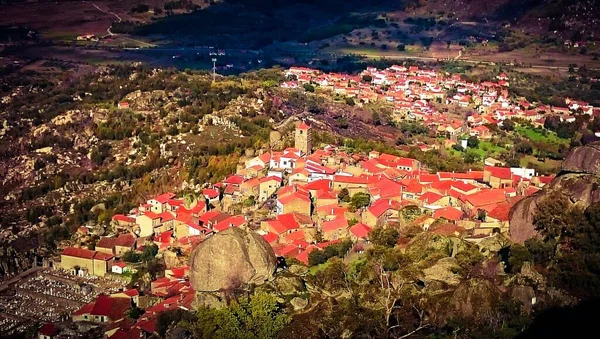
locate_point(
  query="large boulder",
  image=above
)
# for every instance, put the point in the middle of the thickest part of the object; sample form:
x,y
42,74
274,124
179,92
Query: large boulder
x,y
579,188
583,159
578,180
231,258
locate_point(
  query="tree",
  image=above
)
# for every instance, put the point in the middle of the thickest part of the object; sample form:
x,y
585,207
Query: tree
x,y
508,125
258,316
350,101
150,251
344,195
517,255
401,48
473,142
309,88
367,78
360,200
131,256
387,237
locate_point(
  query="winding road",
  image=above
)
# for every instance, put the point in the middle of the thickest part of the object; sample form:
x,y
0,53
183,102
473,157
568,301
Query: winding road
x,y
110,33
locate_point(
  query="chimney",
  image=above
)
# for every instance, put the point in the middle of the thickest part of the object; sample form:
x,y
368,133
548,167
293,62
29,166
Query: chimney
x,y
332,211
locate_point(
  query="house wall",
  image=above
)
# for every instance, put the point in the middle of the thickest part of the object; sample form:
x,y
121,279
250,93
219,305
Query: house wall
x,y
101,267
267,189
68,263
146,225
324,202
297,205
335,234
104,250
371,220
120,250
181,230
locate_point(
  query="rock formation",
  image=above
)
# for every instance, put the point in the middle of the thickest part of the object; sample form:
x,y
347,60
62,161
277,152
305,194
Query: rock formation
x,y
578,179
231,258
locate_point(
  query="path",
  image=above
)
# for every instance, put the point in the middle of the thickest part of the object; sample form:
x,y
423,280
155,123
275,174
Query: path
x,y
110,33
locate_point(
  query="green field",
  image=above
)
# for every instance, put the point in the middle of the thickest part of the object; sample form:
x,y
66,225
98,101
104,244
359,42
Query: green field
x,y
540,135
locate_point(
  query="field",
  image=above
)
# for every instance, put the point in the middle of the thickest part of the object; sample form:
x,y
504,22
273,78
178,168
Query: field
x,y
538,135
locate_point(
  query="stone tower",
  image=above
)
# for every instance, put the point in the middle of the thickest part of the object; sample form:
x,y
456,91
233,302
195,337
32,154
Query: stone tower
x,y
303,140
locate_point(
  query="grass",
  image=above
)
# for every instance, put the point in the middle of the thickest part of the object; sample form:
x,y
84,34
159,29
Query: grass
x,y
540,135
484,150
548,166
60,36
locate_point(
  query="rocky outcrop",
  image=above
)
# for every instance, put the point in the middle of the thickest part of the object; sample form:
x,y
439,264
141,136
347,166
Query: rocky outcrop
x,y
289,284
475,298
443,271
578,180
584,159
299,303
231,259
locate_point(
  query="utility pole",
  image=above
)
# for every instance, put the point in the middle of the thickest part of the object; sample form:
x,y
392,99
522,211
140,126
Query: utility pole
x,y
214,60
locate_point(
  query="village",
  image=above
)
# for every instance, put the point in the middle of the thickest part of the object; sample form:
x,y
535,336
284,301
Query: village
x,y
412,92
300,200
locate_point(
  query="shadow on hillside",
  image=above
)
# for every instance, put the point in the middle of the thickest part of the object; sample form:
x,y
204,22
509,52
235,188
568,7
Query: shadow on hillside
x,y
566,322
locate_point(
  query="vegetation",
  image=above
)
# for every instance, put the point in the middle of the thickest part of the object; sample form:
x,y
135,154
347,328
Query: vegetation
x,y
258,316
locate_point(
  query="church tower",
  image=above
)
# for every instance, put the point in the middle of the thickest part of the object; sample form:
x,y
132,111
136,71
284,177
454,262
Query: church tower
x,y
303,140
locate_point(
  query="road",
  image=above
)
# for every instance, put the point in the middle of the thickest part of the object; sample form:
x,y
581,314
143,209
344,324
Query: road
x,y
110,33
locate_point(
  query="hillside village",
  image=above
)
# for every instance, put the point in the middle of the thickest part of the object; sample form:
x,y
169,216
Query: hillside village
x,y
311,199
413,91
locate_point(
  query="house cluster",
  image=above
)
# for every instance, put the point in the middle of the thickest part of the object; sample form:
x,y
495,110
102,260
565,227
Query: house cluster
x,y
309,195
412,91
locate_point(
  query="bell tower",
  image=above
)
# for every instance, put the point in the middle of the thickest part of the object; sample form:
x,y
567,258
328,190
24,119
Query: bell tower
x,y
303,140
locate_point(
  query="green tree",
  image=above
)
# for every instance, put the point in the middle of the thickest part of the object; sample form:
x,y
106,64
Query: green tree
x,y
387,237
131,256
473,142
344,195
360,200
150,251
309,88
257,317
517,255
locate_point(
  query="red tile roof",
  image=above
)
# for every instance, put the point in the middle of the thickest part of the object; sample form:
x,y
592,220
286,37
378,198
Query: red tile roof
x,y
163,198
500,212
303,126
210,193
448,213
78,253
499,172
318,185
464,187
486,197
360,230
383,205
303,256
270,237
294,196
49,330
125,240
234,221
113,308
123,218
447,230
335,224
430,197
107,242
